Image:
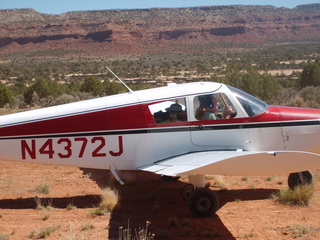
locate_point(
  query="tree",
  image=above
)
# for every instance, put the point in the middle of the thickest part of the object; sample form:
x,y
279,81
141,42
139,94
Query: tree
x,y
73,86
19,88
311,74
233,75
43,88
92,85
112,88
5,95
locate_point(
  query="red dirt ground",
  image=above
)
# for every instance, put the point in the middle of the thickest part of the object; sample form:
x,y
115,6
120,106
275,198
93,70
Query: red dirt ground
x,y
246,208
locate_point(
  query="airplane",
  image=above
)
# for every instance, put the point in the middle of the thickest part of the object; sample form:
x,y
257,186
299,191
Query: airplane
x,y
191,129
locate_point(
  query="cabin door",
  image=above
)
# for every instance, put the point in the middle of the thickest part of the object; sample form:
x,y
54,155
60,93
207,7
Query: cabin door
x,y
220,136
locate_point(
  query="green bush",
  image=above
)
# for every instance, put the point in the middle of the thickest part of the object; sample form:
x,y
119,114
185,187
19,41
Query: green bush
x,y
311,74
92,85
42,88
5,95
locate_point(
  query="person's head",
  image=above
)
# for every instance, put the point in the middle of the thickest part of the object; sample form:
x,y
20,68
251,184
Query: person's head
x,y
209,103
174,108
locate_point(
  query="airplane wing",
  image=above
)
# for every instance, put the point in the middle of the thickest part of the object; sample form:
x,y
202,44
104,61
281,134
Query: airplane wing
x,y
236,163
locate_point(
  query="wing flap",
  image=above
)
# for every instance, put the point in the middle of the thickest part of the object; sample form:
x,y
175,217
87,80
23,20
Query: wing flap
x,y
236,163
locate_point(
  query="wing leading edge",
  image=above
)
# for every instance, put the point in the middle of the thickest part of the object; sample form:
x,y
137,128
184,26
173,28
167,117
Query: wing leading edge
x,y
236,163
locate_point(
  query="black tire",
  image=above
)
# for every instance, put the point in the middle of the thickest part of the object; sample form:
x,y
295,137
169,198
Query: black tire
x,y
294,179
203,202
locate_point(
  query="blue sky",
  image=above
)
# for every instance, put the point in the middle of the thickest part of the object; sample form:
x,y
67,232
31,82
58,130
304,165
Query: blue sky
x,y
61,6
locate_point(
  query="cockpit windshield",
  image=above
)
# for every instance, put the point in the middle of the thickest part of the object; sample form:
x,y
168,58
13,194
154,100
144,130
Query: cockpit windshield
x,y
253,106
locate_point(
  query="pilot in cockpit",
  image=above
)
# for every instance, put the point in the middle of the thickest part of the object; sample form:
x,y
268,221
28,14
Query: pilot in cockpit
x,y
210,109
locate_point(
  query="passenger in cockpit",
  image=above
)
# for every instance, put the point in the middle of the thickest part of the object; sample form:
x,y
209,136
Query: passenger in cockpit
x,y
175,110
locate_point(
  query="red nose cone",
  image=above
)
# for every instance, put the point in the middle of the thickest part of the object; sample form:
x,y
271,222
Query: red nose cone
x,y
294,113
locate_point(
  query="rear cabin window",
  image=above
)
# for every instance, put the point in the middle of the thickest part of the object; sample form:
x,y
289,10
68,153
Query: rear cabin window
x,y
213,107
169,111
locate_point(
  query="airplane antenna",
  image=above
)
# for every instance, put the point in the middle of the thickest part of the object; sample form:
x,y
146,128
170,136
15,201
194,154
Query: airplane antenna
x,y
120,80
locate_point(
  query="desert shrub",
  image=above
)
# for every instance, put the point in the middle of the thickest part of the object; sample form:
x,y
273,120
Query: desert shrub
x,y
300,195
111,88
4,236
298,230
311,96
88,226
109,199
92,85
43,233
5,95
311,74
308,97
42,203
18,88
284,96
70,206
43,188
63,99
42,88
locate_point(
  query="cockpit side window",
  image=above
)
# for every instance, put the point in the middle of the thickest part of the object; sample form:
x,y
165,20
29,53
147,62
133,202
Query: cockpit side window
x,y
213,106
253,106
173,110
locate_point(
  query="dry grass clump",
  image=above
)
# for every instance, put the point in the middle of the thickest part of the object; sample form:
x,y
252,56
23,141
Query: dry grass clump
x,y
42,188
70,206
218,181
109,198
108,201
46,232
300,195
298,230
4,236
43,203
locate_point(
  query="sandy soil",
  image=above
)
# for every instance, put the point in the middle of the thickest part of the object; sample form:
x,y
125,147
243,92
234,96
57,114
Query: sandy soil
x,y
246,209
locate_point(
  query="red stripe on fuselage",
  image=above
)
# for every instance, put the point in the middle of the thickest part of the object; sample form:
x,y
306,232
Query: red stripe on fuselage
x,y
131,117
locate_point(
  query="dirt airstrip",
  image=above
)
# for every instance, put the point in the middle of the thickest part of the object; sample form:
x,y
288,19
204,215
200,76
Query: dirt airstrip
x,y
246,209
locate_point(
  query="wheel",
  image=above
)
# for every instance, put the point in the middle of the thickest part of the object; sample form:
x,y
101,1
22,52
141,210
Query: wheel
x,y
295,180
203,202
186,191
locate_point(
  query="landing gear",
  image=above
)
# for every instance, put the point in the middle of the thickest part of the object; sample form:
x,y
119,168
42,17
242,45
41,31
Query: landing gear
x,y
186,191
299,178
203,202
